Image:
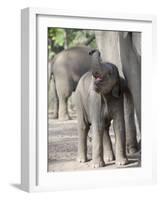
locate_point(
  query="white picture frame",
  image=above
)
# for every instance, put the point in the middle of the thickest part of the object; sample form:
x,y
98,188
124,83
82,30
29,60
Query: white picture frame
x,y
34,175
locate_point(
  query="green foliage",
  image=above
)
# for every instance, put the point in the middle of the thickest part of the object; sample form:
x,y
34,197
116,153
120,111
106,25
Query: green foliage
x,y
57,35
59,39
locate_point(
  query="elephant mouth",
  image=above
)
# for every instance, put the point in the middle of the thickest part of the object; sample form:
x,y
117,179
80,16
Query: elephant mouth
x,y
97,88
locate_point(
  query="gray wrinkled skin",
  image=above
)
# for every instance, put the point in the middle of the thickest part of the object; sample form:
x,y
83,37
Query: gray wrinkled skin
x,y
99,100
67,68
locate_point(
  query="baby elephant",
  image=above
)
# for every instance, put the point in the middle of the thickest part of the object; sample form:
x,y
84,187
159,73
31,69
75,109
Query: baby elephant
x,y
99,100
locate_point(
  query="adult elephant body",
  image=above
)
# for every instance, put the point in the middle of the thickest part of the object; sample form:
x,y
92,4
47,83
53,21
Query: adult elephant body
x,y
124,50
68,66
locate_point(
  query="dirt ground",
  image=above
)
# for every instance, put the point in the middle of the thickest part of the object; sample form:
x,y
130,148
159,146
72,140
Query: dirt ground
x,y
62,148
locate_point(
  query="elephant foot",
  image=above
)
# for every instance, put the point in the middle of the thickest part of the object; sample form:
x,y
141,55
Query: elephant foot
x,y
64,118
55,116
121,161
132,150
97,164
82,159
109,157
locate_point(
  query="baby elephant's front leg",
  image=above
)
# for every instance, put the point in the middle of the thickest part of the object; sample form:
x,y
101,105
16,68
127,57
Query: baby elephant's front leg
x,y
119,129
97,147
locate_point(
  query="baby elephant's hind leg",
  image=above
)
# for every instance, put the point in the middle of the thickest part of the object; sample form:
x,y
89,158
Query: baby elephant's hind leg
x,y
83,128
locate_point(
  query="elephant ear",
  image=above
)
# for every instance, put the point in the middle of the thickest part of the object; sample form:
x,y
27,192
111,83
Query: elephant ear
x,y
116,91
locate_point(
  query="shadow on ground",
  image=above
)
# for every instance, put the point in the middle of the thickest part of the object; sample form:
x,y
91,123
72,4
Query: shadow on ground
x,y
62,149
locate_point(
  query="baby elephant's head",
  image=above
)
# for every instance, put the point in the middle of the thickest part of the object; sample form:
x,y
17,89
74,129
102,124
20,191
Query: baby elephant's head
x,y
106,78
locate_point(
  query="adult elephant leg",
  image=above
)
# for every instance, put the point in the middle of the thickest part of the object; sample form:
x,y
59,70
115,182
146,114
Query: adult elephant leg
x,y
64,93
63,108
132,71
107,147
55,101
52,98
107,42
131,140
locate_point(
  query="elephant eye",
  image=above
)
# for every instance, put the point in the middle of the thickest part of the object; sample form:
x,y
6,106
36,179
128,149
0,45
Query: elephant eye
x,y
109,73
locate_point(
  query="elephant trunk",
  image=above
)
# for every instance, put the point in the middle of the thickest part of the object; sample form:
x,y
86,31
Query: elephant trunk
x,y
96,59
